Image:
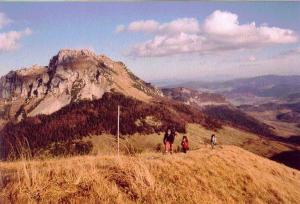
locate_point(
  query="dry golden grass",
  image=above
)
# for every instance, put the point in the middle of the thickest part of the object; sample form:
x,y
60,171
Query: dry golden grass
x,y
227,174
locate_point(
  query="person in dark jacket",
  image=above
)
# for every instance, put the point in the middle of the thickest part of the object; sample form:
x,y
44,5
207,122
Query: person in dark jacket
x,y
169,140
185,144
166,140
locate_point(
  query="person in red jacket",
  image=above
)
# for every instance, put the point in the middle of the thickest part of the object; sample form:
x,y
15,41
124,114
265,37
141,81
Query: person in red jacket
x,y
185,144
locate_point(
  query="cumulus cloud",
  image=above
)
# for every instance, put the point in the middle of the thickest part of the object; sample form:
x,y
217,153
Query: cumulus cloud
x,y
186,25
10,40
163,45
143,26
220,31
222,25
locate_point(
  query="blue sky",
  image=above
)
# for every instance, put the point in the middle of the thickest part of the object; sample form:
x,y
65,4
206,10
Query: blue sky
x,y
148,43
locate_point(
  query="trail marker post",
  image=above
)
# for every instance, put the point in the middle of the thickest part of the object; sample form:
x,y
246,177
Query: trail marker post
x,y
118,130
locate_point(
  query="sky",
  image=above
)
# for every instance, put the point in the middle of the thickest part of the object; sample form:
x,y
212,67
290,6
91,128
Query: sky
x,y
158,40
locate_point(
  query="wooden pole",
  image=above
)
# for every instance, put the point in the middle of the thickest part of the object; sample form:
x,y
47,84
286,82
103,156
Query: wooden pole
x,y
118,130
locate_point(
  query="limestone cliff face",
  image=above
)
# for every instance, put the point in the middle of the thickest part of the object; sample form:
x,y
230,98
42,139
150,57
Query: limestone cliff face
x,y
22,82
72,75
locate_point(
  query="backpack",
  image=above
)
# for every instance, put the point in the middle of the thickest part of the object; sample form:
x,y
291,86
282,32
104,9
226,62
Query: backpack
x,y
213,139
185,144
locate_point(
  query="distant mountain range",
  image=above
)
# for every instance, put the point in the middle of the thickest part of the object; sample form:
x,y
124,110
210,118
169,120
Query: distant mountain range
x,y
271,98
252,90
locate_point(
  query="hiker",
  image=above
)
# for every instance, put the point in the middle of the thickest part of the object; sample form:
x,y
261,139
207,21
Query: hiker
x,y
169,140
184,144
166,140
213,140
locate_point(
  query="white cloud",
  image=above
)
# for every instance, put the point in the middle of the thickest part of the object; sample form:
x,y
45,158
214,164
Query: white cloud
x,y
147,26
186,25
181,25
220,31
4,20
221,23
224,27
163,45
10,40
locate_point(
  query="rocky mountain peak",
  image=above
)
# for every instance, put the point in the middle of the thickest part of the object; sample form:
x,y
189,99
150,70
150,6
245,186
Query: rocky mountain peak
x,y
72,75
66,56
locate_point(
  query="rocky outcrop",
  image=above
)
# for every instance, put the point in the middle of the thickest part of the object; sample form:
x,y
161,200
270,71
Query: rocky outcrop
x,y
23,83
71,76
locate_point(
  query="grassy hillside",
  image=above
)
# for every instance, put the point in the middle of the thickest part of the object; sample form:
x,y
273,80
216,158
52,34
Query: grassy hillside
x,y
236,118
198,137
281,128
283,118
77,120
227,174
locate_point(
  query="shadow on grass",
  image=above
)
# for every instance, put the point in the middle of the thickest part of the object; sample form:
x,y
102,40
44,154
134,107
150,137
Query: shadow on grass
x,y
289,158
293,139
